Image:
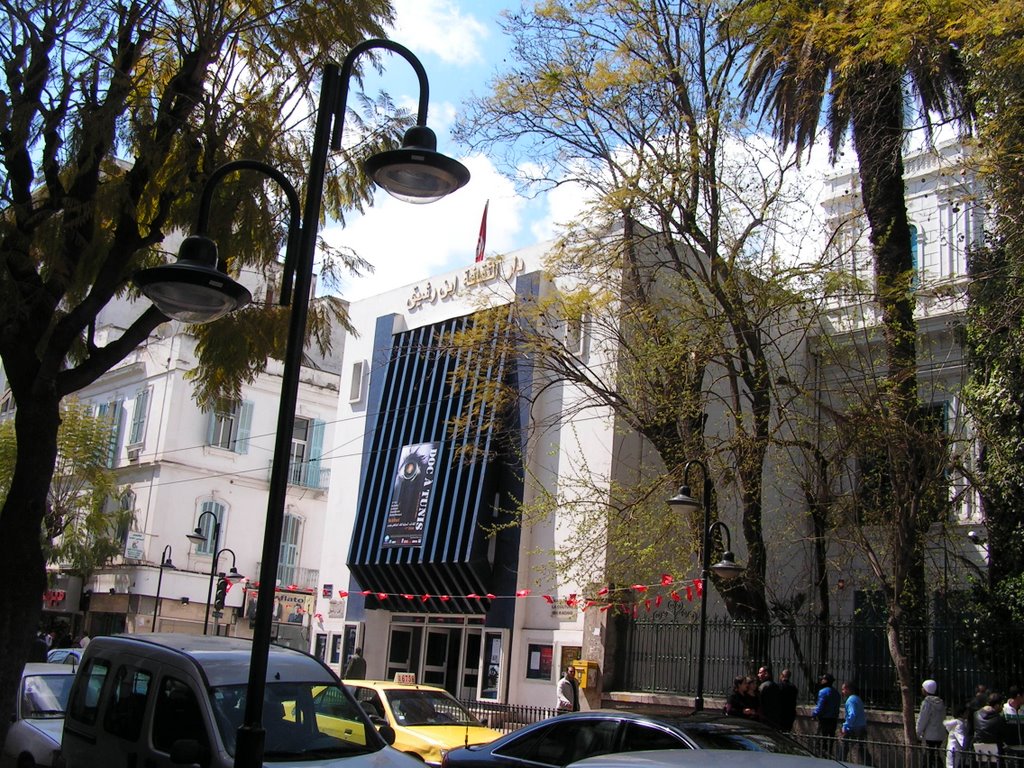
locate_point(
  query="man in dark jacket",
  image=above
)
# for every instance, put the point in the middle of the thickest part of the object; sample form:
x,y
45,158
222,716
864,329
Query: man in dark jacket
x,y
787,701
768,698
990,727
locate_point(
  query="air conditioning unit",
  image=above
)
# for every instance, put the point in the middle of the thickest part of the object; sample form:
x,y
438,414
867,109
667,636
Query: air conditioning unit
x,y
134,451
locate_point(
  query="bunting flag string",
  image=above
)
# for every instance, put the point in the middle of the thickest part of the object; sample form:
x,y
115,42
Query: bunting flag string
x,y
650,595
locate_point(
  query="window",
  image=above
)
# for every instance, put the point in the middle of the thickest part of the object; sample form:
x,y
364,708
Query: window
x,y
230,424
355,389
577,332
915,257
127,703
206,526
538,661
565,742
290,538
114,412
137,432
307,449
641,737
85,699
177,716
126,504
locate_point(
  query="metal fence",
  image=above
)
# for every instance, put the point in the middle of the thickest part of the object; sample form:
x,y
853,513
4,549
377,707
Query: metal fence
x,y
508,717
659,655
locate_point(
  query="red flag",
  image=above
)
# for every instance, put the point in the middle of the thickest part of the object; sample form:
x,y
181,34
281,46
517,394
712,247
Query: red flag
x,y
481,239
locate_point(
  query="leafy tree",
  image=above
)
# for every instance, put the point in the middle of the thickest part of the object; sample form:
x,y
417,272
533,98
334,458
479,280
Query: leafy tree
x,y
675,271
85,519
112,112
994,332
859,64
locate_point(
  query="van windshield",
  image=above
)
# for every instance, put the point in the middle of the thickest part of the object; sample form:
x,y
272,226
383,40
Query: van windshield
x,y
303,721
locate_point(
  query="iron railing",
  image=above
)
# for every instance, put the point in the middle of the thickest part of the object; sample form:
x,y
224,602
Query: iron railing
x,y
659,655
507,717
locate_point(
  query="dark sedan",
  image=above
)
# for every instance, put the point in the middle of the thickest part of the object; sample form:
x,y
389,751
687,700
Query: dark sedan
x,y
561,740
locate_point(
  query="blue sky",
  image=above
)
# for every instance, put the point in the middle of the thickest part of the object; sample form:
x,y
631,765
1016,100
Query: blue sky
x,y
461,46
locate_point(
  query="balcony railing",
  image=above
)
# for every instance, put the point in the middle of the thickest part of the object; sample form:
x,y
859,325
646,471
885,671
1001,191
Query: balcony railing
x,y
288,575
306,474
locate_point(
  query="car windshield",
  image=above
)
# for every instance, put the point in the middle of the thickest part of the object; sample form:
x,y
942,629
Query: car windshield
x,y
411,707
45,696
303,721
737,736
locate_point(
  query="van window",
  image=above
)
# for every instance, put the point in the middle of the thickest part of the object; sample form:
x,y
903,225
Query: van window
x,y
85,699
127,703
177,716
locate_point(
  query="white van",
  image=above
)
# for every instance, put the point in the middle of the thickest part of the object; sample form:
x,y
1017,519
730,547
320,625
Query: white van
x,y
163,700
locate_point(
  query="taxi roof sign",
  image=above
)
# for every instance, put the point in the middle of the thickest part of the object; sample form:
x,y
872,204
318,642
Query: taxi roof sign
x,y
405,678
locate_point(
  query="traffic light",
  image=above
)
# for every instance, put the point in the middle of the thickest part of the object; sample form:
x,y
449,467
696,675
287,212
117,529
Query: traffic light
x,y
223,585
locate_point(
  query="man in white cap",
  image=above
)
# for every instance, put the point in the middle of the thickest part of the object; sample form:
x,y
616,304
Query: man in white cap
x,y
930,729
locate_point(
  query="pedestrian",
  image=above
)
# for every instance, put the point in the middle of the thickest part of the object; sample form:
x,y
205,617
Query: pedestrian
x,y
742,702
356,667
855,725
38,651
788,695
989,731
975,703
930,729
956,742
826,712
1013,714
568,692
768,703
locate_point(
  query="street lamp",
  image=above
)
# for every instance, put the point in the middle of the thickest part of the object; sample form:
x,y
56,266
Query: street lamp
x,y
726,568
165,562
198,537
414,173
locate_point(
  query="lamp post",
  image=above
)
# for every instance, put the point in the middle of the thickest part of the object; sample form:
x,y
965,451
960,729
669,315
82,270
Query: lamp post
x,y
197,537
165,562
727,568
415,173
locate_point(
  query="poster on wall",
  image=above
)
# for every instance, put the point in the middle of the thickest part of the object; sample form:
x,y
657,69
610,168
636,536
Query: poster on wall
x,y
289,607
410,495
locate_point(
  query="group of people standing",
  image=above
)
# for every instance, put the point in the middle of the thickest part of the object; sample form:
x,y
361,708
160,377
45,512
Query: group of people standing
x,y
842,711
764,699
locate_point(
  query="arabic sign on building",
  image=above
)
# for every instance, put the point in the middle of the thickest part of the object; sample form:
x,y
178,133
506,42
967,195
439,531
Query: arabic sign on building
x,y
481,273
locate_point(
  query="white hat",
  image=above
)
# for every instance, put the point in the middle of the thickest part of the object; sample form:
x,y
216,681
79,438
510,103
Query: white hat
x,y
930,687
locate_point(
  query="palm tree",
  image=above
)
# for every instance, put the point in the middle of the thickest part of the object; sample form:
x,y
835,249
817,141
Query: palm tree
x,y
860,64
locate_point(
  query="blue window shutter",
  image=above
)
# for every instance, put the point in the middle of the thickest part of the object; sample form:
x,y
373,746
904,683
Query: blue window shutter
x,y
211,426
138,429
244,426
316,449
116,414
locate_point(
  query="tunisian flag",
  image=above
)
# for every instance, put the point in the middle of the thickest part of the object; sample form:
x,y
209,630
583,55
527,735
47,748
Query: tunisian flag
x,y
481,239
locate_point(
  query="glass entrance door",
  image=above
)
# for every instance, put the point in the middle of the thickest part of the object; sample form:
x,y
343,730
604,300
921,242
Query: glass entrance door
x,y
435,657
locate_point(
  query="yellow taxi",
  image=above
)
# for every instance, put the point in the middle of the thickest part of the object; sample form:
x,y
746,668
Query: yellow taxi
x,y
427,721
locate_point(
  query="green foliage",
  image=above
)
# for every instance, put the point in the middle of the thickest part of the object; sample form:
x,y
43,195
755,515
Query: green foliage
x,y
85,520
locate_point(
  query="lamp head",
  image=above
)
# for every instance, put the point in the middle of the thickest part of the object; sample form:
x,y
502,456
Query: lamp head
x,y
192,289
168,564
683,500
197,536
234,575
417,173
727,568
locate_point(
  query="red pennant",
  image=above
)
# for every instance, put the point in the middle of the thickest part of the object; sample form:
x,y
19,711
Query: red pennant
x,y
639,587
522,592
424,598
636,611
699,584
647,605
588,604
602,591
382,595
666,579
571,600
689,593
489,596
550,599
657,601
342,593
445,598
366,592
473,596
674,595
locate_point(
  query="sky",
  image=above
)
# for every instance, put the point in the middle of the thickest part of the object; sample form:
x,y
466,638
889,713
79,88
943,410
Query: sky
x,y
461,47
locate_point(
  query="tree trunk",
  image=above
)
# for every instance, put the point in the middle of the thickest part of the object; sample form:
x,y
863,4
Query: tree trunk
x,y
23,565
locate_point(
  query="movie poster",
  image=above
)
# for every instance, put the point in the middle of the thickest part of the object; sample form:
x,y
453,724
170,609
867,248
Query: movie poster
x,y
410,495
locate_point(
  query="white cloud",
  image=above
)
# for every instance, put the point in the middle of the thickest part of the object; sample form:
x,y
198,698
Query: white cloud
x,y
406,243
439,27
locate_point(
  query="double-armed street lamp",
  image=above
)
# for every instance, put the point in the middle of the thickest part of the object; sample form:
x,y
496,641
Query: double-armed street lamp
x,y
726,568
199,537
165,562
194,290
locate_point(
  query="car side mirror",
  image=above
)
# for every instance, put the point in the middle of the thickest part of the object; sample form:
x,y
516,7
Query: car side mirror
x,y
387,733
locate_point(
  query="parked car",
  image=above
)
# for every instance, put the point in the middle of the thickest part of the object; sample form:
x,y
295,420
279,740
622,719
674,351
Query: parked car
x,y
64,656
428,721
175,699
558,741
685,758
34,735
